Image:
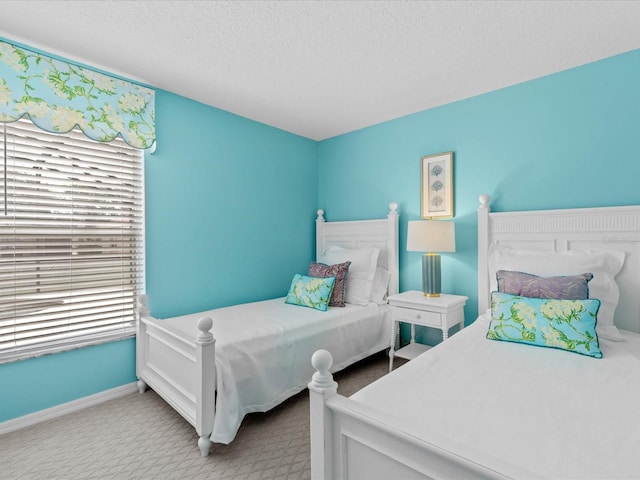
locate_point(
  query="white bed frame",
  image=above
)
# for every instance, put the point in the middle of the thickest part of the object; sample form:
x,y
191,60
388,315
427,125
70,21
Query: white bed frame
x,y
183,371
351,441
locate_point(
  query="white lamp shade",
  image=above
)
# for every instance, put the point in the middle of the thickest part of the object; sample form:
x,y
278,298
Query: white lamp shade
x,y
431,236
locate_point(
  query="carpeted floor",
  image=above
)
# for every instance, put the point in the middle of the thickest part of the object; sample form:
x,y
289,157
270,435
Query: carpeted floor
x,y
141,437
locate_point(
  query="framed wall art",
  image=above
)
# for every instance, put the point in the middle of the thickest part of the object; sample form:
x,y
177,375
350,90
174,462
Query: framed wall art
x,y
437,185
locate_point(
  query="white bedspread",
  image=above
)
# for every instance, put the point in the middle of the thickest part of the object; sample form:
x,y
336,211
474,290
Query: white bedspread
x,y
263,351
559,414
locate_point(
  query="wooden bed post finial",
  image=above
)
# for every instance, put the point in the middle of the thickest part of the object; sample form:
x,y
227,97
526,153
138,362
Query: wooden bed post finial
x,y
322,362
320,215
143,305
204,325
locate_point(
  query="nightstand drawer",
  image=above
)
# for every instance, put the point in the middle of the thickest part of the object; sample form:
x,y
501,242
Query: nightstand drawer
x,y
418,317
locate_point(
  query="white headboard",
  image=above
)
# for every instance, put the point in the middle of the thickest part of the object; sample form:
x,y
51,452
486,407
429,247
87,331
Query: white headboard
x,y
382,234
603,228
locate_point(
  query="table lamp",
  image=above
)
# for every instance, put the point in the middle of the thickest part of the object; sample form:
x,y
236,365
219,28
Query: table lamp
x,y
431,237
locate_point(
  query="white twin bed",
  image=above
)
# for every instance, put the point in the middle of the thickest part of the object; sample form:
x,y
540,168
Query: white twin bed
x,y
215,367
478,408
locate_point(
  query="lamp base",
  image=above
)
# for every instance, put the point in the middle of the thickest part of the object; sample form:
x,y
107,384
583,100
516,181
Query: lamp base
x,y
431,274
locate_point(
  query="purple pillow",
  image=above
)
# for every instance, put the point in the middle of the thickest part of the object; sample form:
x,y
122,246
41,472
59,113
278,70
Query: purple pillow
x,y
570,287
339,270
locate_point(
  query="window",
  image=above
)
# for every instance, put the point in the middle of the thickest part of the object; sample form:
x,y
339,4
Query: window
x,y
71,240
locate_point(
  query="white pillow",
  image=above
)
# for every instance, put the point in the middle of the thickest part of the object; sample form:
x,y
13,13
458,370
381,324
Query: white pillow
x,y
603,264
361,271
380,286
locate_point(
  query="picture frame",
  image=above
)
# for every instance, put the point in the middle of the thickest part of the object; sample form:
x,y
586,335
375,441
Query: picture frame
x,y
437,186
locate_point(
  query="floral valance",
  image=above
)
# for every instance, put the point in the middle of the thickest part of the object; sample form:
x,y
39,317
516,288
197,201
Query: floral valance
x,y
57,96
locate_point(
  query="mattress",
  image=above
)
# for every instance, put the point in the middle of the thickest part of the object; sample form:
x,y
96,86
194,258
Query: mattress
x,y
263,351
521,410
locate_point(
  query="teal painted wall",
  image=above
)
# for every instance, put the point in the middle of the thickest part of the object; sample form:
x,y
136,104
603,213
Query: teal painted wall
x,y
38,383
230,210
571,139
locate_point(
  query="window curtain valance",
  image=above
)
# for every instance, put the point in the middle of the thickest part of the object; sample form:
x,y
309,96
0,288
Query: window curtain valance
x,y
57,96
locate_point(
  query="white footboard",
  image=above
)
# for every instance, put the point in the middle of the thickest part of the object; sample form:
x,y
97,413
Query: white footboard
x,y
182,372
354,442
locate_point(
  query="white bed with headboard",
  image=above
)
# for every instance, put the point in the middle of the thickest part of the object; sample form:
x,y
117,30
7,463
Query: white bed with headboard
x,y
473,407
214,367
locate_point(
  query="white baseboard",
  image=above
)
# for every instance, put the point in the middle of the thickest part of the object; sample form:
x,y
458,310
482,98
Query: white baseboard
x,y
69,407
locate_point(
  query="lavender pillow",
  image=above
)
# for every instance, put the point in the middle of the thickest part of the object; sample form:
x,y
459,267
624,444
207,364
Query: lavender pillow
x,y
570,287
339,270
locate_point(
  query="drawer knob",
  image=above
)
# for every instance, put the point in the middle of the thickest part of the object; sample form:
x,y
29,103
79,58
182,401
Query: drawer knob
x,y
418,316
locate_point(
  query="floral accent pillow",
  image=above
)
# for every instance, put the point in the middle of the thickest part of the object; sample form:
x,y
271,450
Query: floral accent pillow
x,y
310,292
567,287
563,324
339,271
604,265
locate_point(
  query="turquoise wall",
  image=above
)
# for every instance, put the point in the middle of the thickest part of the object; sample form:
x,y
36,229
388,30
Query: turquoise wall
x,y
571,139
230,218
38,383
230,208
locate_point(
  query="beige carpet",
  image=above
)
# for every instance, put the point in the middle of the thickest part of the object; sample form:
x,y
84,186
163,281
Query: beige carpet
x,y
141,437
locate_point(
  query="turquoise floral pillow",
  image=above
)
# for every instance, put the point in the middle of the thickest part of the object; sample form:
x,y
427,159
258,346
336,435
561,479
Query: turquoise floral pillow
x,y
310,292
564,324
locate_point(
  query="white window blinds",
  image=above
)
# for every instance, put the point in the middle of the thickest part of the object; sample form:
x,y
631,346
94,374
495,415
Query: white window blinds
x,y
71,240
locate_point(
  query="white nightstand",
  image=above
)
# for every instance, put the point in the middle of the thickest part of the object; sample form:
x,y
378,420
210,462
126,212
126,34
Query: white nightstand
x,y
415,308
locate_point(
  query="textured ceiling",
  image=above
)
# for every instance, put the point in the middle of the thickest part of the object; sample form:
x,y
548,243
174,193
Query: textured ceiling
x,y
323,68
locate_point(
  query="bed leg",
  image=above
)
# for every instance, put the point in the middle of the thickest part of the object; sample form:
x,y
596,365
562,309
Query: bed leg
x,y
204,444
142,387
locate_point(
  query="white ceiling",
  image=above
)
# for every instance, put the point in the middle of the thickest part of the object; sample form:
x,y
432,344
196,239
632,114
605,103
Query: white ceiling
x,y
323,68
